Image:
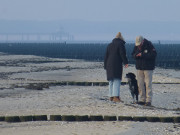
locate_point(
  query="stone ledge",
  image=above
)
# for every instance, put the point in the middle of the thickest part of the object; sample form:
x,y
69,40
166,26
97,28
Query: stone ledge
x,y
85,118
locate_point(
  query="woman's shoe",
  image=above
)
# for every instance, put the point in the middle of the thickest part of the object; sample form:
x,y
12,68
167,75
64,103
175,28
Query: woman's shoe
x,y
111,98
116,99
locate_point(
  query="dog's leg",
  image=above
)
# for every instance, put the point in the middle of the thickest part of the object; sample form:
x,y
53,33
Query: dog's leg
x,y
134,101
136,98
132,94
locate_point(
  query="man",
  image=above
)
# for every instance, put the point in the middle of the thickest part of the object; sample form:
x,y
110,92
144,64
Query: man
x,y
115,57
145,54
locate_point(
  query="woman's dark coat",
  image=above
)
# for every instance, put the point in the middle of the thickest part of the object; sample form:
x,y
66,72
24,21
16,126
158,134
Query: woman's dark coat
x,y
147,60
114,58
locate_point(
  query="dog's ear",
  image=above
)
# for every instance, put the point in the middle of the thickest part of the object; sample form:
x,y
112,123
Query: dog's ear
x,y
127,75
132,75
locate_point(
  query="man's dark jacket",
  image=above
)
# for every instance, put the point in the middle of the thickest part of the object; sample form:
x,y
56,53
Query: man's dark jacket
x,y
114,58
147,60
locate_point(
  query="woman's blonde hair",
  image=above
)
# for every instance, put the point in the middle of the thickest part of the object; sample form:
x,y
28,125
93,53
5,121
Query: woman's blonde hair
x,y
119,36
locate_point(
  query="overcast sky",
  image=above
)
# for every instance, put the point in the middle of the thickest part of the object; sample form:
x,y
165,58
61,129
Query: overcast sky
x,y
92,10
100,11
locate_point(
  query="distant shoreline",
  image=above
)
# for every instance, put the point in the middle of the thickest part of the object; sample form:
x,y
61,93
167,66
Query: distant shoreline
x,y
90,41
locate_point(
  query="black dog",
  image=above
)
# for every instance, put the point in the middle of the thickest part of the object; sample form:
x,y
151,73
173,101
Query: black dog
x,y
133,85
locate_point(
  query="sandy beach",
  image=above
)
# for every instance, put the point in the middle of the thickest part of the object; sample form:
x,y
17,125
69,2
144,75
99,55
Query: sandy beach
x,y
18,71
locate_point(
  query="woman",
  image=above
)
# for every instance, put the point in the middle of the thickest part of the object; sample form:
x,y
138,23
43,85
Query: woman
x,y
114,59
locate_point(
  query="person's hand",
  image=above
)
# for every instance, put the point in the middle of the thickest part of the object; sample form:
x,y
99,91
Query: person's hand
x,y
138,55
126,65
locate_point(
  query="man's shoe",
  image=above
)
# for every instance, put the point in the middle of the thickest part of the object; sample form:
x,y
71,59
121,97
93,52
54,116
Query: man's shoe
x,y
148,104
141,103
